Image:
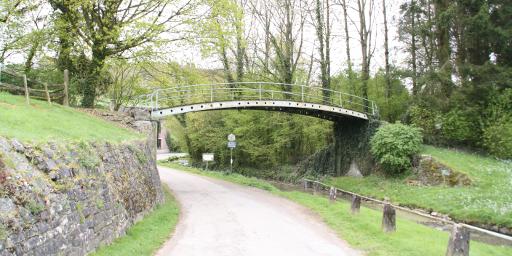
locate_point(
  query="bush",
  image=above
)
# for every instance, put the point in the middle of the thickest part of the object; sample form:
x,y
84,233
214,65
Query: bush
x,y
394,145
426,119
458,127
498,138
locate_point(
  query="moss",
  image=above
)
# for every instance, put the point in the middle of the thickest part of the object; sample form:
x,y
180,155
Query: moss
x,y
34,207
100,203
80,210
3,232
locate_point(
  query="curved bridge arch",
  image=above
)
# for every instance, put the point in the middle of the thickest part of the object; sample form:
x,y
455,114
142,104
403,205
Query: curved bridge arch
x,y
305,100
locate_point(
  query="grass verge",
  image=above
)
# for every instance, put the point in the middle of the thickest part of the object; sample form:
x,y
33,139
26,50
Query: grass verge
x,y
41,122
363,231
147,235
488,200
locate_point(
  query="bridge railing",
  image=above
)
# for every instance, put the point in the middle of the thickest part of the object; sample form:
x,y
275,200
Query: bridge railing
x,y
204,93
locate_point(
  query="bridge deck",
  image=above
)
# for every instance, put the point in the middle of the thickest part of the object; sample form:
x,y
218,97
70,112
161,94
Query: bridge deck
x,y
307,100
305,108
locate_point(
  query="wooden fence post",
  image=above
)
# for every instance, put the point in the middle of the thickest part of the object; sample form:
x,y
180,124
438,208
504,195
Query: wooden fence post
x,y
47,93
306,185
332,194
389,218
458,244
65,101
25,83
356,204
315,188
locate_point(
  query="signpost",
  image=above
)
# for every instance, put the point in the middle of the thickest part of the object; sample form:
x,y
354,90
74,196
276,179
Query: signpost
x,y
231,146
207,157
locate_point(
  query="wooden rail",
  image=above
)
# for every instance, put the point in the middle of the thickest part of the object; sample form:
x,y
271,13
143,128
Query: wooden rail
x,y
326,187
33,88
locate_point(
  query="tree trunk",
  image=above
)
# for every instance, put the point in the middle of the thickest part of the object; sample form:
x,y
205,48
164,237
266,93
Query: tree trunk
x,y
415,88
94,78
386,52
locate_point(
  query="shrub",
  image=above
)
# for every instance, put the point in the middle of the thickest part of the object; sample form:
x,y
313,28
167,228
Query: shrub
x,y
458,127
426,119
394,145
498,138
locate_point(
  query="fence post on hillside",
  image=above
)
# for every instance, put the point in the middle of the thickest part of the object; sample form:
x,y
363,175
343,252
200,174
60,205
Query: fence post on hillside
x,y
332,194
65,101
47,93
458,244
388,218
25,83
356,204
315,188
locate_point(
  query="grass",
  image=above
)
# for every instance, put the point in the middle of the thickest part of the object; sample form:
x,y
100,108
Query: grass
x,y
41,122
488,200
147,235
363,231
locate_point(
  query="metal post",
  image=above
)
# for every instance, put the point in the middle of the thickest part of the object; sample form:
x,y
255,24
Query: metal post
x,y
341,101
156,100
260,92
211,93
302,92
231,161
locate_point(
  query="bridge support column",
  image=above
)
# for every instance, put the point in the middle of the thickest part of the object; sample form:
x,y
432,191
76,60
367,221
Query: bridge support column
x,y
352,146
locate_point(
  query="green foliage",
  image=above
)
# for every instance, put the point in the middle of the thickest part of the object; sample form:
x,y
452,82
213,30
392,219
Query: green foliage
x,y
498,138
458,127
486,201
34,207
427,120
3,232
147,235
394,145
265,139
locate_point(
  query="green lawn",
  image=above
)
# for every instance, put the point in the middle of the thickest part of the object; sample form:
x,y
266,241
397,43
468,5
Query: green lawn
x,y
41,122
147,235
363,231
487,200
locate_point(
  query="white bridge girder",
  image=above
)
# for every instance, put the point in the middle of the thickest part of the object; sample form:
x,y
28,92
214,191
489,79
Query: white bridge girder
x,y
313,109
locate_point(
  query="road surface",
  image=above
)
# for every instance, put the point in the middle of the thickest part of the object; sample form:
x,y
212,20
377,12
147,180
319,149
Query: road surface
x,y
224,219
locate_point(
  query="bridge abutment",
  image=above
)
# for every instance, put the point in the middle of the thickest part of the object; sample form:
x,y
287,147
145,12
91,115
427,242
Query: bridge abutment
x,y
349,154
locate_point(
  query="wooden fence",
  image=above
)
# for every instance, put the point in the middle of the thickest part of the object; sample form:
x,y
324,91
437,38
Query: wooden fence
x,y
458,243
19,84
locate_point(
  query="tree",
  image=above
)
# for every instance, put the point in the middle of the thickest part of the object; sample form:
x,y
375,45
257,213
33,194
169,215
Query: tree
x,y
365,10
220,31
284,21
323,31
114,27
386,51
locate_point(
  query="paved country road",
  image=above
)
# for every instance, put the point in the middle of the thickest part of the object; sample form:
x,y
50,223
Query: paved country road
x,y
223,219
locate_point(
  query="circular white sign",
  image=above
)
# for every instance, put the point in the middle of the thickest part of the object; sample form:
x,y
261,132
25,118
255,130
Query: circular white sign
x,y
231,137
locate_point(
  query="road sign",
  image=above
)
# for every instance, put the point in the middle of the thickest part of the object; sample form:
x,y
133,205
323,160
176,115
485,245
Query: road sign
x,y
231,144
231,137
208,157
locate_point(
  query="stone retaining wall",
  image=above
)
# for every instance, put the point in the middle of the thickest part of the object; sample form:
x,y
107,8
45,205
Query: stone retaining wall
x,y
68,199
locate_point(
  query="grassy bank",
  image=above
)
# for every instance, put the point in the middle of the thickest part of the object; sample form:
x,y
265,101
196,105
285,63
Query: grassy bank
x,y
363,231
488,200
147,235
41,122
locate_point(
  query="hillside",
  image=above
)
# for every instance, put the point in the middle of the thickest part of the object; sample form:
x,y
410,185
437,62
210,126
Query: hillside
x,y
41,122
